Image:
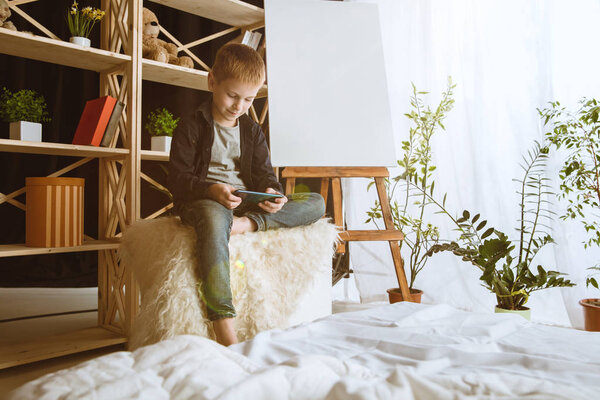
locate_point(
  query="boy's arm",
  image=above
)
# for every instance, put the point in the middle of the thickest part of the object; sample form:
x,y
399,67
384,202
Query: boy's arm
x,y
183,183
262,170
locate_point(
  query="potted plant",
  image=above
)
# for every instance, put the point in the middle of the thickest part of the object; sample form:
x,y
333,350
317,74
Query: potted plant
x,y
25,110
579,134
413,187
513,280
81,22
160,124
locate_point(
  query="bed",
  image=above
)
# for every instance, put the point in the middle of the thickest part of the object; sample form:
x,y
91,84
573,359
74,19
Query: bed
x,y
398,351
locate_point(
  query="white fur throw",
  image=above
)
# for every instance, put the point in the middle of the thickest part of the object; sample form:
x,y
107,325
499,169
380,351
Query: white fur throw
x,y
270,271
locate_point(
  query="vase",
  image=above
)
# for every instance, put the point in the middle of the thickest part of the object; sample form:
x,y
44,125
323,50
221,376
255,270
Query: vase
x,y
80,40
25,130
591,314
161,143
395,295
525,312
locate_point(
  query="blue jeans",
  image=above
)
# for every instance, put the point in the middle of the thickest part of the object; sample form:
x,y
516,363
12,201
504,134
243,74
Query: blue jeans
x,y
212,223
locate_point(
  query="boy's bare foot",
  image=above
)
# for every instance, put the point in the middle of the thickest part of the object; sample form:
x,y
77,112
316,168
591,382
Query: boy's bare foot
x,y
243,225
224,331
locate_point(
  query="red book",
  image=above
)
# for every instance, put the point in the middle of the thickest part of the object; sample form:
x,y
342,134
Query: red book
x,y
93,121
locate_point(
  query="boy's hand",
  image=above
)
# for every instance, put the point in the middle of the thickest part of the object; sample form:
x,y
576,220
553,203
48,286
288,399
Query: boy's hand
x,y
223,194
273,206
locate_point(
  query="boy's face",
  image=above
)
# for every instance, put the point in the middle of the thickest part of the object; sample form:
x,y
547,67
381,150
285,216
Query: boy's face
x,y
231,99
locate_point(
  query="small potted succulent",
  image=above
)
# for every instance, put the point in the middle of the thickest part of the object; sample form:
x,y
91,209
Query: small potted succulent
x,y
161,124
25,110
579,135
413,187
81,22
514,279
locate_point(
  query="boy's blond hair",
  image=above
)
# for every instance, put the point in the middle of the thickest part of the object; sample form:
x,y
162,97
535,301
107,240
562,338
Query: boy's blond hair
x,y
239,61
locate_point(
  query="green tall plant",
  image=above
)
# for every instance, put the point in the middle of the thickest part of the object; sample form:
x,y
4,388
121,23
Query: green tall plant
x,y
415,185
579,176
24,105
161,122
513,280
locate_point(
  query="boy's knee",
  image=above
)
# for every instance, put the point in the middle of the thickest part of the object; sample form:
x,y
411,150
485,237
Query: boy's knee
x,y
210,215
319,202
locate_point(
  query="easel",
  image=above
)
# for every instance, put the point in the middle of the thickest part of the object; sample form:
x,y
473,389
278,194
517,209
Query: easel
x,y
334,175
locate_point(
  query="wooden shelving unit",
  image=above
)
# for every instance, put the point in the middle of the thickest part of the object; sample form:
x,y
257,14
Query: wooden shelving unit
x,y
121,68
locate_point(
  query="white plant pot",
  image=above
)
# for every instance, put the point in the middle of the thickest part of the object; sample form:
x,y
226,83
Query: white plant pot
x,y
161,143
82,41
25,130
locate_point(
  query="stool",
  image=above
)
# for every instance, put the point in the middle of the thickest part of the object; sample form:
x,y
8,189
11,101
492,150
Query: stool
x,y
279,278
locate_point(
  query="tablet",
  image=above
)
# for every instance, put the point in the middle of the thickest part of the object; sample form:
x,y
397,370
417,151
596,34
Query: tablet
x,y
256,197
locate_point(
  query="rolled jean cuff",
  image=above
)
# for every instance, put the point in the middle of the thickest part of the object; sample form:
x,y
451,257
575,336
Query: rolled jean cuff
x,y
260,221
213,316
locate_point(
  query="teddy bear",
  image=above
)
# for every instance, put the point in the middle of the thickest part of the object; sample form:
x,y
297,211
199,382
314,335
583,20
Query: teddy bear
x,y
4,14
156,49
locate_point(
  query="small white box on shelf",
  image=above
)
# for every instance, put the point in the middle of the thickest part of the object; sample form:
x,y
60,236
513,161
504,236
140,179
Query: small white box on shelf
x,y
161,143
25,130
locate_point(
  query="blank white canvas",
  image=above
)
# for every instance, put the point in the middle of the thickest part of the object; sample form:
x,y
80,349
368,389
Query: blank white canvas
x,y
328,99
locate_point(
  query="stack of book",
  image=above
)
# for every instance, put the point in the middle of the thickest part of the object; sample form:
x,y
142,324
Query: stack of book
x,y
99,121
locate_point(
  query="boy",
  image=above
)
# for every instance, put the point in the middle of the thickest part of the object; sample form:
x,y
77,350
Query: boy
x,y
216,152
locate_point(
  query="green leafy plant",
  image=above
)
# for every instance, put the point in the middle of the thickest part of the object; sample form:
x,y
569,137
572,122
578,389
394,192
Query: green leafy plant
x,y
161,122
579,134
513,280
82,21
24,105
415,185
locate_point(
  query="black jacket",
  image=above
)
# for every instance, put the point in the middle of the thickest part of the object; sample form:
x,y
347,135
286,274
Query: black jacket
x,y
190,155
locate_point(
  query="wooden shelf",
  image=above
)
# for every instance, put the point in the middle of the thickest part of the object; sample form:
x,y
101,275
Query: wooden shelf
x,y
57,345
174,75
169,74
155,155
230,12
59,149
40,48
14,250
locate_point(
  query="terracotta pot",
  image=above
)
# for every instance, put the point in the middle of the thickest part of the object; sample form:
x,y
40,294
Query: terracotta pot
x,y
525,312
591,314
396,295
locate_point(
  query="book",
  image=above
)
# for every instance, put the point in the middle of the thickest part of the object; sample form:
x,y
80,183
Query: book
x,y
249,38
255,40
94,120
113,123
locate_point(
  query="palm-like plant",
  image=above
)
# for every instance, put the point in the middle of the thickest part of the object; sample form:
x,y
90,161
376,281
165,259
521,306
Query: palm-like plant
x,y
514,281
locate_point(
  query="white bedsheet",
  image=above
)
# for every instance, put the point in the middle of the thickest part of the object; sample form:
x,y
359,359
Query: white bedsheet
x,y
400,351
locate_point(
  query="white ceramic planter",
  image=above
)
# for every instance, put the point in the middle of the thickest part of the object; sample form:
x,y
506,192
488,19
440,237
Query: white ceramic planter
x,y
25,130
82,41
161,143
526,313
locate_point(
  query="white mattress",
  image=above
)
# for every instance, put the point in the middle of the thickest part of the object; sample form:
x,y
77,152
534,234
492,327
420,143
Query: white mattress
x,y
405,350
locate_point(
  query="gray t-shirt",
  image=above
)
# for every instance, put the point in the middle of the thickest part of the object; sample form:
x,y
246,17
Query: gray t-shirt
x,y
224,164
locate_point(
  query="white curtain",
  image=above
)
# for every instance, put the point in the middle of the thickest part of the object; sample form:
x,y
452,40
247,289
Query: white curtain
x,y
507,58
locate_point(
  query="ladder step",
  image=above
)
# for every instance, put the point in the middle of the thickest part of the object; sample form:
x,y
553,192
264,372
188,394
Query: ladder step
x,y
371,236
